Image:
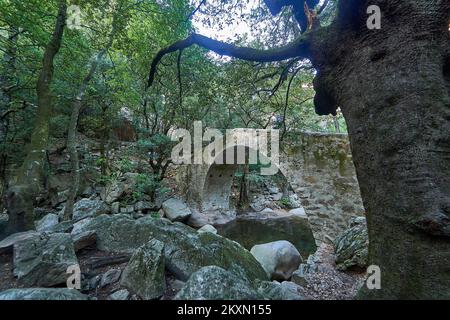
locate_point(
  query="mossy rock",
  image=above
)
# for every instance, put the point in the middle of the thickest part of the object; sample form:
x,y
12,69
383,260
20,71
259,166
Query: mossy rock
x,y
186,251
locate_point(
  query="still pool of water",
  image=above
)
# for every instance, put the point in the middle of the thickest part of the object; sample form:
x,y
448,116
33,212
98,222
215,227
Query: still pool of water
x,y
251,231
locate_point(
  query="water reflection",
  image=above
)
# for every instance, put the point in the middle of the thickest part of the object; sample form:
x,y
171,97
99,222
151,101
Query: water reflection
x,y
251,231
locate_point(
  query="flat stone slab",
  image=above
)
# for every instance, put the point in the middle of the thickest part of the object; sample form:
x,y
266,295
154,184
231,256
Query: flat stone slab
x,y
42,294
8,243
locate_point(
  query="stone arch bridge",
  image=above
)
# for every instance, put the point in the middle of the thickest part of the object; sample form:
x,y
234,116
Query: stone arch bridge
x,y
319,168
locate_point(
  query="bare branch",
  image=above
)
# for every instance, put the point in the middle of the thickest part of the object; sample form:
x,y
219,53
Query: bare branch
x,y
189,17
298,48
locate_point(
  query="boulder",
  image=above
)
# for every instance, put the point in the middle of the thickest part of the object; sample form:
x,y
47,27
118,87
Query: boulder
x,y
118,189
83,240
351,246
277,196
207,228
176,210
43,260
113,192
295,201
299,212
215,283
109,277
8,243
62,227
56,198
279,258
300,276
86,208
186,250
259,203
115,207
47,222
144,206
281,291
197,220
79,226
144,274
268,211
42,294
274,190
119,295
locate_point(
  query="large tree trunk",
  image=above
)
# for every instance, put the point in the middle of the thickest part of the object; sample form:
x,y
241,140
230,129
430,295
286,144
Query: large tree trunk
x,y
30,177
393,87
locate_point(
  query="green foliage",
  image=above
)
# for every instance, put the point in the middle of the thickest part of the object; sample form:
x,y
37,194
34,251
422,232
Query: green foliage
x,y
285,203
59,125
223,93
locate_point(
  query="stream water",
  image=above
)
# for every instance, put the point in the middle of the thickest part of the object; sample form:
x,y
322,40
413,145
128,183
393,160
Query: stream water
x,y
251,231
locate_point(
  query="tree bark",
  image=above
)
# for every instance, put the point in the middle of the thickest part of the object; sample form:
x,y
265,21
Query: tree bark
x,y
393,88
31,175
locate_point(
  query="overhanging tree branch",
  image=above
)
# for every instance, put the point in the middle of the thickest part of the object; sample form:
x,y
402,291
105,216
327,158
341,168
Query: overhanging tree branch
x,y
298,48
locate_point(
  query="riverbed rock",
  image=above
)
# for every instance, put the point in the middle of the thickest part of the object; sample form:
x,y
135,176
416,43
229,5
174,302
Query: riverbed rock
x,y
42,294
277,196
186,250
144,206
215,283
279,258
299,212
43,260
119,295
294,201
109,277
144,274
286,290
47,222
83,240
118,189
274,190
207,228
115,207
85,208
8,243
176,210
79,226
300,276
351,246
259,202
62,227
197,220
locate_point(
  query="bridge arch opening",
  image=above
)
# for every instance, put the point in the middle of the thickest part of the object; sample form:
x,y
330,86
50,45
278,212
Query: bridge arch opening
x,y
318,167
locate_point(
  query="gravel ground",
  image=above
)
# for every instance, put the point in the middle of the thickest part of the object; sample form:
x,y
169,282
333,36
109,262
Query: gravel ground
x,y
330,284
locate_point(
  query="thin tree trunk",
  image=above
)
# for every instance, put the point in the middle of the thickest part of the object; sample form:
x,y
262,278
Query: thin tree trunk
x,y
71,134
244,202
31,175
